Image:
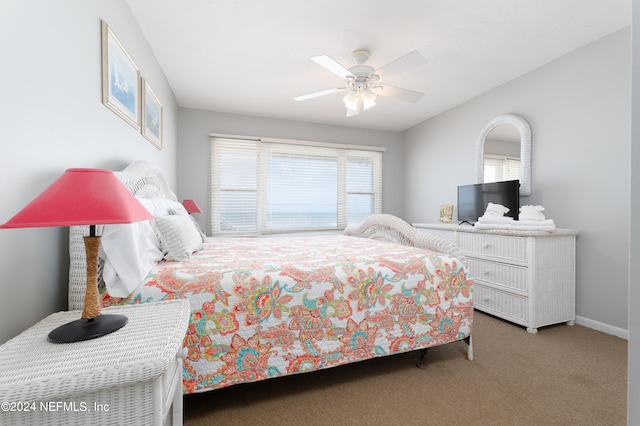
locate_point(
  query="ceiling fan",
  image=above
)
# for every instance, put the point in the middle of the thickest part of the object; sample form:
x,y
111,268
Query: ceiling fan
x,y
362,82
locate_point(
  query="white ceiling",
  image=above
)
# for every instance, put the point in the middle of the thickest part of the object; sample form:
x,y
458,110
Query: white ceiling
x,y
252,56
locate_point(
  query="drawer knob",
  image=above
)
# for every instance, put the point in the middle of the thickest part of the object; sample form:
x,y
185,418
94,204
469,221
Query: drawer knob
x,y
486,298
486,245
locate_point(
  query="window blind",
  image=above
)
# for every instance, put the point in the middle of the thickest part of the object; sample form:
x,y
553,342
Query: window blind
x,y
364,184
262,187
234,181
498,168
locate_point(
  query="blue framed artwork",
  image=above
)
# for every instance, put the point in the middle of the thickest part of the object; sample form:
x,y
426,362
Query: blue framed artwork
x,y
151,115
120,79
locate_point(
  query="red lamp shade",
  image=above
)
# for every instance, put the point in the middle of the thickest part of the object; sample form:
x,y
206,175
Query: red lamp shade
x,y
191,206
81,197
84,197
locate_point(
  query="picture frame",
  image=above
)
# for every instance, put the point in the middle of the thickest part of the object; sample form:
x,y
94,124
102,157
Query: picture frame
x,y
151,115
120,79
446,213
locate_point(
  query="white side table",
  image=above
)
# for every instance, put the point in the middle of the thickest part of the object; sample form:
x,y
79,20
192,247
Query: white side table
x,y
132,376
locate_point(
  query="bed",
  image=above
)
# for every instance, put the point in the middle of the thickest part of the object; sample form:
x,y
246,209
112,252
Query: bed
x,y
268,307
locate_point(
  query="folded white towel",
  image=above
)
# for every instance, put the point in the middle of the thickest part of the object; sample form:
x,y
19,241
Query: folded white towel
x,y
546,222
496,209
548,228
481,225
531,213
495,219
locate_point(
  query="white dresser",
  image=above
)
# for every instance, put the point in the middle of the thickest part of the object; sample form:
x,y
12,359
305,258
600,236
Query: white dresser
x,y
526,277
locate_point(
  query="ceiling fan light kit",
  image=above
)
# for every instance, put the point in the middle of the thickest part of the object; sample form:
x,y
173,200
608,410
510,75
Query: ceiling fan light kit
x,y
362,81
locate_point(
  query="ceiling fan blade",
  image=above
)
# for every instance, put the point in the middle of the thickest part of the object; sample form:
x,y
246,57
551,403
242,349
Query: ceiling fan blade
x,y
330,64
398,93
320,93
402,64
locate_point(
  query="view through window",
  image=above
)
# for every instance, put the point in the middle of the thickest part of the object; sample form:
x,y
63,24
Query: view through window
x,y
264,187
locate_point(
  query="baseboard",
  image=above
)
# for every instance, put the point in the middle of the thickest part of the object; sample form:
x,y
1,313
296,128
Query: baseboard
x,y
600,326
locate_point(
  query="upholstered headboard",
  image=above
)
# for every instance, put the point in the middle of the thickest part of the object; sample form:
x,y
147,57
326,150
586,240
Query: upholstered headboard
x,y
144,179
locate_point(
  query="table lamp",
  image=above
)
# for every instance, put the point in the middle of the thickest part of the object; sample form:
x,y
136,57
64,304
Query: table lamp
x,y
84,197
191,206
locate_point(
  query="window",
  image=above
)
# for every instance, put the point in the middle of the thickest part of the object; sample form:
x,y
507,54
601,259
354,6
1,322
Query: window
x,y
265,187
498,169
361,186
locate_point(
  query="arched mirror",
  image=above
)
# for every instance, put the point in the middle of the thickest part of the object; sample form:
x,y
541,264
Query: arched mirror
x,y
503,152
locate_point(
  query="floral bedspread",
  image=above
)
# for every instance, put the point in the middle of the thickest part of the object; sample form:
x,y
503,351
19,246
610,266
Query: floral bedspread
x,y
268,307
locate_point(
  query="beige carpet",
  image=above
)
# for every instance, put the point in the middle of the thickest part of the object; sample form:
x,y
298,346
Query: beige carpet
x,y
561,376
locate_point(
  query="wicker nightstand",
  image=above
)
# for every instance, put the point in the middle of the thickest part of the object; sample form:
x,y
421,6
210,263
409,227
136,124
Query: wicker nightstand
x,y
132,376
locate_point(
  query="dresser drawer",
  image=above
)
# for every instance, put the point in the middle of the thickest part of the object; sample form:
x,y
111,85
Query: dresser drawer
x,y
502,274
507,247
500,303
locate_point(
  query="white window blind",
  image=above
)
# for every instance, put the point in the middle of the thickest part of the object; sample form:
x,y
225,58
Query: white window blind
x,y
265,187
497,169
364,182
234,180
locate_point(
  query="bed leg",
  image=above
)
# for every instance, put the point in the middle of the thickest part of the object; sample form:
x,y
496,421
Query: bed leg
x,y
469,341
420,363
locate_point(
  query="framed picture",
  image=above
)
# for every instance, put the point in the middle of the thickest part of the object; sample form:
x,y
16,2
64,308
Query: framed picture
x,y
120,79
446,213
151,115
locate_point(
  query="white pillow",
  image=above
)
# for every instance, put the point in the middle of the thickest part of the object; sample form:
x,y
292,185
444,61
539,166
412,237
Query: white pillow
x,y
129,251
197,225
178,236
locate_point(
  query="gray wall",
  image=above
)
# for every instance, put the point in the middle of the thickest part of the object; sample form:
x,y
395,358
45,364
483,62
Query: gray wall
x,y
195,126
579,111
53,119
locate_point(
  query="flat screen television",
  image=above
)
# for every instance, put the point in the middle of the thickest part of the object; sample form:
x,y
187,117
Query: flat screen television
x,y
473,199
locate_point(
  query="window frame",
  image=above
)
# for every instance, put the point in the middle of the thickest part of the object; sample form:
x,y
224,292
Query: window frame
x,y
263,147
